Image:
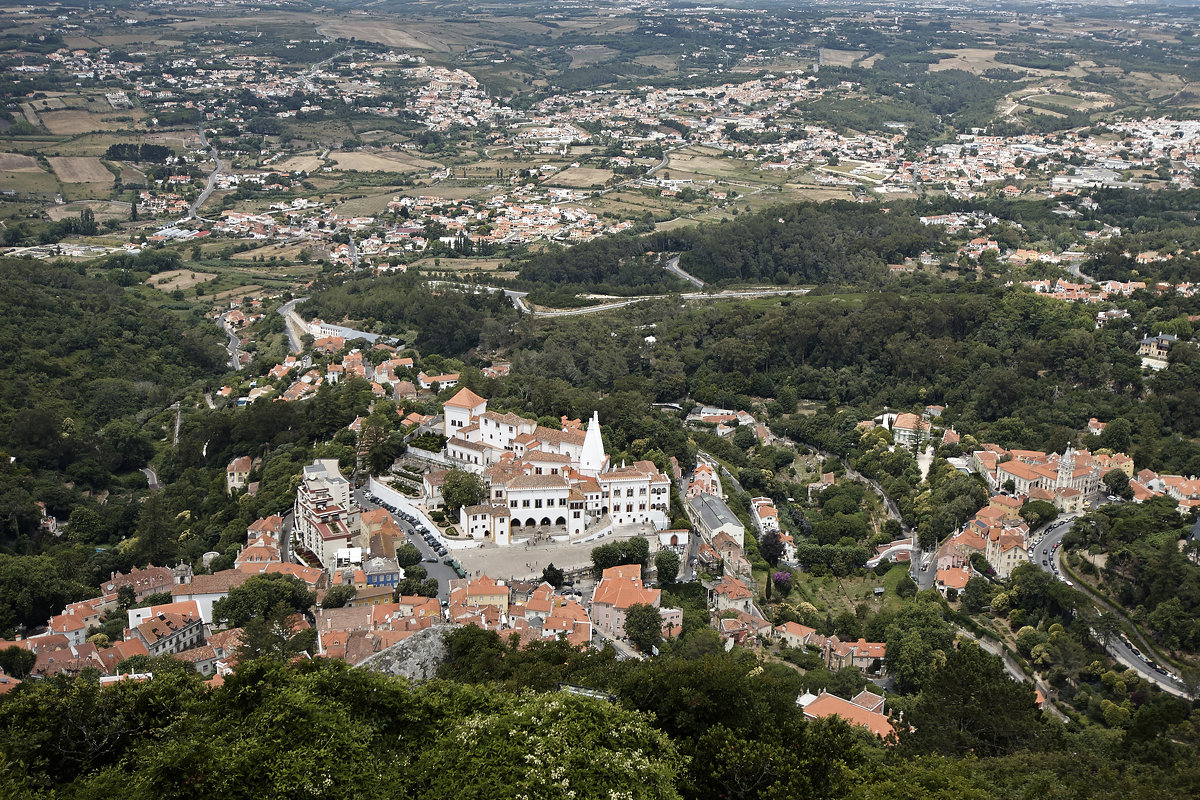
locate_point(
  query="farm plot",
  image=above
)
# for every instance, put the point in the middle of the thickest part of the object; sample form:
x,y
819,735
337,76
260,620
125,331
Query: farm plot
x,y
179,279
17,162
72,121
305,162
103,209
381,162
580,177
80,169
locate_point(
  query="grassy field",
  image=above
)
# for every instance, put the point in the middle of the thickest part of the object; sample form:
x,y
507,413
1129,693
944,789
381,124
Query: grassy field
x,y
80,169
75,121
580,177
283,252
369,205
382,162
464,264
103,209
305,162
831,594
585,55
179,279
16,162
841,58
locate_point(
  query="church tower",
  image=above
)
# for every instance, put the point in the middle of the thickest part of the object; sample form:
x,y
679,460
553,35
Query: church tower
x,y
1066,468
591,461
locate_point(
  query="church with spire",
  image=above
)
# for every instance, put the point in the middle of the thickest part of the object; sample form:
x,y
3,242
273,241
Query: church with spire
x,y
543,480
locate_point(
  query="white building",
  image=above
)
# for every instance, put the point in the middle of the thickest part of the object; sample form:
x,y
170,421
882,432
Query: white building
x,y
326,519
547,477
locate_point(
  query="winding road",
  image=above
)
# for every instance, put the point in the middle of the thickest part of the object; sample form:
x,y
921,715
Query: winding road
x,y
232,344
1047,555
672,267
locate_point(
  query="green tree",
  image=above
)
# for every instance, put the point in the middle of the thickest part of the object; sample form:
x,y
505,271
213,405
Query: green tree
x,y
970,705
770,547
407,555
1117,483
260,594
157,537
462,488
643,626
666,561
906,586
274,634
977,594
17,661
553,747
126,596
338,596
84,526
32,589
1038,512
553,575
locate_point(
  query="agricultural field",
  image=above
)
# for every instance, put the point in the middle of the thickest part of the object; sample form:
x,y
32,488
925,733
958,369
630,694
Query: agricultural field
x,y
382,162
16,162
103,209
178,279
304,162
497,266
282,252
80,169
586,55
580,178
73,121
841,58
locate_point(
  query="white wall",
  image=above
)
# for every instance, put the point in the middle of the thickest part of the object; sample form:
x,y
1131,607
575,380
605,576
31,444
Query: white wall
x,y
392,497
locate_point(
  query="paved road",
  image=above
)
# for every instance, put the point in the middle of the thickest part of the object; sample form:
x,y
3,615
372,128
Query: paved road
x,y
294,324
672,266
518,298
218,170
1047,554
151,478
285,538
232,344
436,568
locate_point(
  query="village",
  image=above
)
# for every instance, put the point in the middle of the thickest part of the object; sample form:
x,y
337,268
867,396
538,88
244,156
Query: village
x,y
551,495
625,140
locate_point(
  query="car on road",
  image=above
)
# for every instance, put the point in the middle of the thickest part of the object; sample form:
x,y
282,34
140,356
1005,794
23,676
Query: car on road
x,y
430,560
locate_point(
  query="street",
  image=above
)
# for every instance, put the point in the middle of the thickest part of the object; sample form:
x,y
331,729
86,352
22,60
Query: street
x,y
436,569
1047,555
294,325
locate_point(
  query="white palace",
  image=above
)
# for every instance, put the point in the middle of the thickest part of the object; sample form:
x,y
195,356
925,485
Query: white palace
x,y
546,480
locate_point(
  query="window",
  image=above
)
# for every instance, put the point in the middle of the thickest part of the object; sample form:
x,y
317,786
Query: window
x,y
537,503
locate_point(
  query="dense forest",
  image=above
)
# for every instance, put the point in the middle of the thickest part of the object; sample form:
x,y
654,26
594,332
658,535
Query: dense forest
x,y
1010,366
693,723
446,320
834,242
83,366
